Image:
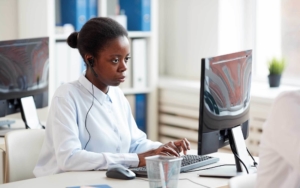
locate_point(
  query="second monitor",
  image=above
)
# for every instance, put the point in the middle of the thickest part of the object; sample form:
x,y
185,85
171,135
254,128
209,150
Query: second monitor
x,y
24,78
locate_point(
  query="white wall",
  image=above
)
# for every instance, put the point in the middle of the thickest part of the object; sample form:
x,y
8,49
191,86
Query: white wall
x,y
193,29
188,31
33,22
8,20
19,19
268,34
235,26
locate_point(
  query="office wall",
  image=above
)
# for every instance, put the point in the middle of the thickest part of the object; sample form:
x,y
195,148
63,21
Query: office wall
x,y
17,22
193,29
8,19
188,30
34,23
236,22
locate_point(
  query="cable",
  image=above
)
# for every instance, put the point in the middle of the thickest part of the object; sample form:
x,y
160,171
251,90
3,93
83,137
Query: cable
x,y
193,182
241,162
254,162
86,118
178,179
236,155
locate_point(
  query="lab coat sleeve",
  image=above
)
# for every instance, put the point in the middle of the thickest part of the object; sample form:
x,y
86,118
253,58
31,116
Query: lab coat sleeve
x,y
282,128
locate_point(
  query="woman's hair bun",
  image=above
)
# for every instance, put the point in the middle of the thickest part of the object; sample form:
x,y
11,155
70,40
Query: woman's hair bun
x,y
72,40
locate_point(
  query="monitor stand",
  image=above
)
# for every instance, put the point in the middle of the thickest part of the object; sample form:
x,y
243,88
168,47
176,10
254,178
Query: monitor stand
x,y
29,113
238,146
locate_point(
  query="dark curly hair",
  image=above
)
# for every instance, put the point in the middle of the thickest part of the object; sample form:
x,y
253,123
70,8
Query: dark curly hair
x,y
95,34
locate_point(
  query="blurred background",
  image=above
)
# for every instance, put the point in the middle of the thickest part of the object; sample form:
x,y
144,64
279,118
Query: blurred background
x,y
168,39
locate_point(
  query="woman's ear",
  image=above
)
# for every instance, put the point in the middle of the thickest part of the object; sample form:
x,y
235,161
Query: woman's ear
x,y
89,60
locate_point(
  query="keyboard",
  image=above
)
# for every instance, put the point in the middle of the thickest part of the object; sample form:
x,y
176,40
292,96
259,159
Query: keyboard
x,y
189,162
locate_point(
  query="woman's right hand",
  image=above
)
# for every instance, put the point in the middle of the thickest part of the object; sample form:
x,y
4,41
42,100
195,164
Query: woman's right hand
x,y
169,149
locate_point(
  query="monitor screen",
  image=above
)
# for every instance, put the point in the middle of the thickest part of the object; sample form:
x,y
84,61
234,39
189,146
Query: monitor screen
x,y
224,99
24,71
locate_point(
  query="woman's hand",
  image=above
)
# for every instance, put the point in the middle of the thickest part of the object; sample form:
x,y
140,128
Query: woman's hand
x,y
172,148
180,145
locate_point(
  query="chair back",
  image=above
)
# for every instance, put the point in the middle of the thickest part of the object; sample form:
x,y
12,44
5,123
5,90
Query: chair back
x,y
243,181
22,151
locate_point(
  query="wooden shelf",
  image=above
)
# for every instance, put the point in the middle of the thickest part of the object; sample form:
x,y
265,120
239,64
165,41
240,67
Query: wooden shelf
x,y
138,34
130,91
131,34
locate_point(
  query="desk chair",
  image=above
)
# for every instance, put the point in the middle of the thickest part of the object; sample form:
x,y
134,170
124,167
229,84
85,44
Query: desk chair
x,y
22,151
243,181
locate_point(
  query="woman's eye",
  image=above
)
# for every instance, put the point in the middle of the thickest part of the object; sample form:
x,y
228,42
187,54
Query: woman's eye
x,y
127,58
115,61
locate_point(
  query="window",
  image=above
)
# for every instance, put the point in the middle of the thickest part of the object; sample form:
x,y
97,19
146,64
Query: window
x,y
278,35
190,30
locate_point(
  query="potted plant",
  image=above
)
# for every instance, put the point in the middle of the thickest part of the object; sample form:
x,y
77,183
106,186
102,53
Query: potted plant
x,y
276,67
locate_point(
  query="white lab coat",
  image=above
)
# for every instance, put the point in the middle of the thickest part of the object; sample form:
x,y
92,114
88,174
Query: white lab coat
x,y
279,156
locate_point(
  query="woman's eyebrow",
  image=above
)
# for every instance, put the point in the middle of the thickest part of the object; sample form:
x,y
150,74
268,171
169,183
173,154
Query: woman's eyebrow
x,y
114,55
118,55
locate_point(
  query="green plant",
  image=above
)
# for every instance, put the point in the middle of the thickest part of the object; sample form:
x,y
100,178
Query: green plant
x,y
276,66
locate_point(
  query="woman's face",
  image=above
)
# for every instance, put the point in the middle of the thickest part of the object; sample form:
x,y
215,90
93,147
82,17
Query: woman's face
x,y
111,64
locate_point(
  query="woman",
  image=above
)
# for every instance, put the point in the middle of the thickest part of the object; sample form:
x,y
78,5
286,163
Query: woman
x,y
90,124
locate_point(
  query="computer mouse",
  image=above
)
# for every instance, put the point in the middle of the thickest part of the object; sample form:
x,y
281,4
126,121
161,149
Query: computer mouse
x,y
118,171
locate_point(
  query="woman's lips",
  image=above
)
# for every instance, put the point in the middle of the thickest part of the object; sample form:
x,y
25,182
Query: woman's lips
x,y
122,79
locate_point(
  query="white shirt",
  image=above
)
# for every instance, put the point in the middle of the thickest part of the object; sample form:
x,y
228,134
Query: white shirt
x,y
279,156
114,135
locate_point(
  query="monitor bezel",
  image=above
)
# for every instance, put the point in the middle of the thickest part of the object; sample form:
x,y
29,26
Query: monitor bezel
x,y
218,140
10,102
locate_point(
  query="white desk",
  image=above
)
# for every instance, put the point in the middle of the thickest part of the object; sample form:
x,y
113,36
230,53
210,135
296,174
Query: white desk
x,y
64,180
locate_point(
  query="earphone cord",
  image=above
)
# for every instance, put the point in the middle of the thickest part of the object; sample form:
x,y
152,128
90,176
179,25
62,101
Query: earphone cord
x,y
86,118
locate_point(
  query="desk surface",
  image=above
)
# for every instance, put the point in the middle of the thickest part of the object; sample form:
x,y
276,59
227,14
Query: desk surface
x,y
68,179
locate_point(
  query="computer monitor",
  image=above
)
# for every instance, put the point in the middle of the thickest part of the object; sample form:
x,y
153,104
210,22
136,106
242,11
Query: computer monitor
x,y
24,78
224,108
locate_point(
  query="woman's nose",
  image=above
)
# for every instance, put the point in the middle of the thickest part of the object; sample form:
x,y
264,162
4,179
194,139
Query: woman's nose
x,y
123,66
